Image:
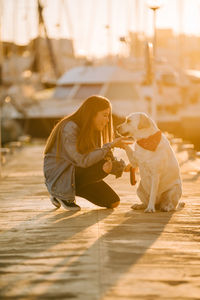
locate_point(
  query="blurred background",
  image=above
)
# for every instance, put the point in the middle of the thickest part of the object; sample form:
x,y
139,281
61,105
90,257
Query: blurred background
x,y
142,55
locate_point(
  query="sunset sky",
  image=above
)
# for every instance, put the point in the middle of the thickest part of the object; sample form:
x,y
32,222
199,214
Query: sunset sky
x,y
85,21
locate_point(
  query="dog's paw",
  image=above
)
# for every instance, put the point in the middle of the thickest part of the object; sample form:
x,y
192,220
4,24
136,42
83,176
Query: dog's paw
x,y
150,209
168,207
180,205
138,206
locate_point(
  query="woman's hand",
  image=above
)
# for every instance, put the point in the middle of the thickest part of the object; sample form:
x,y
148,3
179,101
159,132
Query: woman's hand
x,y
121,142
107,167
127,168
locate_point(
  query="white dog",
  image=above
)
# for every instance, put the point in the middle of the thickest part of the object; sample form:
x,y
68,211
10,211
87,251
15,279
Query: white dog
x,y
160,185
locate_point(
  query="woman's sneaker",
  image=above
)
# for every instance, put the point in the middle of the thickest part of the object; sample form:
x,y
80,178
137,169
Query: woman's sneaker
x,y
55,202
69,205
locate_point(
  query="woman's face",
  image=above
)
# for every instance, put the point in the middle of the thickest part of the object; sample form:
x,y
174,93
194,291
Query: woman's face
x,y
101,119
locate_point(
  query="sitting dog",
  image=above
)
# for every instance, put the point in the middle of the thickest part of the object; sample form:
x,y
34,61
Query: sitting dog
x,y
160,185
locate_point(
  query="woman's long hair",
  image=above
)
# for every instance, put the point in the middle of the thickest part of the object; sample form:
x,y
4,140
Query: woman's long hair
x,y
88,138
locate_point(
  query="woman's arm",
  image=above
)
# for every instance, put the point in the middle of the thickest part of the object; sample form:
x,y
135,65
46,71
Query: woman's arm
x,y
70,133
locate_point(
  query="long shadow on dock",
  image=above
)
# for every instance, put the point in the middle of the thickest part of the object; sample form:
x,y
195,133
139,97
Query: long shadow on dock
x,y
120,248
36,236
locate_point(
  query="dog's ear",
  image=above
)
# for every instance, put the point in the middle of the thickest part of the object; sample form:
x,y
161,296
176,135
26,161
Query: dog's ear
x,y
144,122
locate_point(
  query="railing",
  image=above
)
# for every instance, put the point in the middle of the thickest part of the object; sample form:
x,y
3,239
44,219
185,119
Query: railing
x,y
10,148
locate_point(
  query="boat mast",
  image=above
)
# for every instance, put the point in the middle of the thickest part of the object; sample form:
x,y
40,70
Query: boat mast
x,y
180,33
137,17
1,46
91,25
49,44
1,79
109,44
68,19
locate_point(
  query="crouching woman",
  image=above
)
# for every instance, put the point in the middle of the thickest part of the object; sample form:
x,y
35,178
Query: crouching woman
x,y
75,156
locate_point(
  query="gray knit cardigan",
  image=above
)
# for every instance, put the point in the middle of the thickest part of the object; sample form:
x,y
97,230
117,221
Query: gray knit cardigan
x,y
60,173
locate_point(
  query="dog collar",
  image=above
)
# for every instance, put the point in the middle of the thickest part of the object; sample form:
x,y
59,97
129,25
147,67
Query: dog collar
x,y
151,143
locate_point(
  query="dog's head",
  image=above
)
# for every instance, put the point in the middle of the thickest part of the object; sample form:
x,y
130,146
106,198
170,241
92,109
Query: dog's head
x,y
137,125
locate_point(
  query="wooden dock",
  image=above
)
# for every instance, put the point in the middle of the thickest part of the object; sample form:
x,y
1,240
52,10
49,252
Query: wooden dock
x,y
95,254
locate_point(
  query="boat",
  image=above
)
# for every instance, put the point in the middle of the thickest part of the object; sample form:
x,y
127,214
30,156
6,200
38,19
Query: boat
x,y
120,86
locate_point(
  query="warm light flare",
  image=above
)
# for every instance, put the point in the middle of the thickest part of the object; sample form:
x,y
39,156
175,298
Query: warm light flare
x,y
154,4
85,24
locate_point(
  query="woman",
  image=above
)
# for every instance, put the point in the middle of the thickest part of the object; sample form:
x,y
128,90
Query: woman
x,y
75,156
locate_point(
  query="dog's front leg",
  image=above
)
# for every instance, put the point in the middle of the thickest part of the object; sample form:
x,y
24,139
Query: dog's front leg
x,y
131,156
153,193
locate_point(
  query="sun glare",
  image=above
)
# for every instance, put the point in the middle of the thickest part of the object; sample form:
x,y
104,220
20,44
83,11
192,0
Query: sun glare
x,y
96,27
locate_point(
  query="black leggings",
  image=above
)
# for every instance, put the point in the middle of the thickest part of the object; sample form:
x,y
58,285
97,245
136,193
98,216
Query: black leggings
x,y
89,185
